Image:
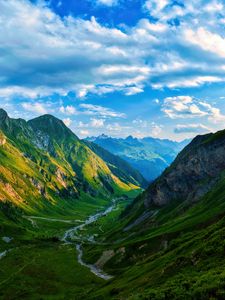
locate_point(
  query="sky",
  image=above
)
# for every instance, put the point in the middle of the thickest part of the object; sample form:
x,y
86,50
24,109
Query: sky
x,y
119,67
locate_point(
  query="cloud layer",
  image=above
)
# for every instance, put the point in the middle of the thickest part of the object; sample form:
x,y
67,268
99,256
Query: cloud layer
x,y
60,55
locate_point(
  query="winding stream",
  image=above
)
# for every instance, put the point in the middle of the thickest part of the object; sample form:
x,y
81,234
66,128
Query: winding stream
x,y
72,236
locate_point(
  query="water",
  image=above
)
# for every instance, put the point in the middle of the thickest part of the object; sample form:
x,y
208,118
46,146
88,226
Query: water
x,y
73,234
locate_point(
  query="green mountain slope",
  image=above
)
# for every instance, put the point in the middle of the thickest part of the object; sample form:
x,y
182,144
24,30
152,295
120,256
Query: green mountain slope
x,y
45,167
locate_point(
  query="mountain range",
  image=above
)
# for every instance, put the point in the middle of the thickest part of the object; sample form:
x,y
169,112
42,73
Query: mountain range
x,y
75,222
150,156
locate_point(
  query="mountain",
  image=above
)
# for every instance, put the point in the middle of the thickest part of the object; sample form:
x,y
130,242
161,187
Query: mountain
x,y
169,243
194,172
150,156
118,166
44,167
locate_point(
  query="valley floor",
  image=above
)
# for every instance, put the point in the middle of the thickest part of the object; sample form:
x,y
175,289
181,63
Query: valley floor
x,y
50,265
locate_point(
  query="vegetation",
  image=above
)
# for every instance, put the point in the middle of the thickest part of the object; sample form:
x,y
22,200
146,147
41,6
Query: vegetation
x,y
176,252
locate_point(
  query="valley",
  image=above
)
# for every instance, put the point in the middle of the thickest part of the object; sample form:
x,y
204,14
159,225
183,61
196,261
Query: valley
x,y
78,224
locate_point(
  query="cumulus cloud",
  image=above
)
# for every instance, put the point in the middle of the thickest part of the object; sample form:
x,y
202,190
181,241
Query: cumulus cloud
x,y
156,129
68,110
97,123
84,133
189,107
191,128
44,54
35,107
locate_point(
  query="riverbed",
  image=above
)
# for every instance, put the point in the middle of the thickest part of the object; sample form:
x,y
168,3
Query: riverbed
x,y
72,236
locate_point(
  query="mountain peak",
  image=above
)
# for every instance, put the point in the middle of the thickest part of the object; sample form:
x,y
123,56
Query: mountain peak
x,y
103,136
3,114
130,138
51,125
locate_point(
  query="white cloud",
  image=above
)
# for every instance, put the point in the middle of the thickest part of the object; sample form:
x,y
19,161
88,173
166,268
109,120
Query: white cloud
x,y
133,90
97,123
155,7
36,107
189,107
55,55
102,111
114,127
67,122
214,6
156,129
68,110
191,128
107,2
181,107
84,133
206,40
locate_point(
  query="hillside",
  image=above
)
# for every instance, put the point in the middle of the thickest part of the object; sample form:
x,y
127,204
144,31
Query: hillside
x,y
150,156
118,166
44,166
172,235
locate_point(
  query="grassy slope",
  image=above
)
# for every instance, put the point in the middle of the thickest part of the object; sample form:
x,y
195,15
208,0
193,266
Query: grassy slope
x,y
179,255
36,179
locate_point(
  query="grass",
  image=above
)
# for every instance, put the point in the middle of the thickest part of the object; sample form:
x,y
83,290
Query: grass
x,y
45,270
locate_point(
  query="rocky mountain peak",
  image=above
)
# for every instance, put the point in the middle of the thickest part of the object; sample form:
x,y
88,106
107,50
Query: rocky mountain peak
x,y
51,126
3,115
194,172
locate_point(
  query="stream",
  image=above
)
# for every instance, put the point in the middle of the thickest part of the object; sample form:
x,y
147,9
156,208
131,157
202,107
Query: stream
x,y
72,236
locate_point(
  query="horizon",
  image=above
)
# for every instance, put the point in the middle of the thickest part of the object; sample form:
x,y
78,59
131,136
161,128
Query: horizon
x,y
151,72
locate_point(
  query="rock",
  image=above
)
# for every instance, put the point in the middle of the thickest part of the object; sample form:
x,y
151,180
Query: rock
x,y
61,177
146,215
39,186
196,169
2,141
106,256
7,239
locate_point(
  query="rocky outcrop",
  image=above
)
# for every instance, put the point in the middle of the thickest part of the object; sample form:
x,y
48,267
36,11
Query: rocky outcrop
x,y
196,169
40,187
2,140
61,177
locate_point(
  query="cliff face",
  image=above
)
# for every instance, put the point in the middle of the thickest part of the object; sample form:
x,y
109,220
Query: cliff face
x,y
196,169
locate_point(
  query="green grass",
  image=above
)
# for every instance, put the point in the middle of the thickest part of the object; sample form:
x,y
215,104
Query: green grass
x,y
45,270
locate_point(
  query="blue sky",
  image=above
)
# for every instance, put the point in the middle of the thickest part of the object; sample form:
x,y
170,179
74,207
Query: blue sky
x,y
119,67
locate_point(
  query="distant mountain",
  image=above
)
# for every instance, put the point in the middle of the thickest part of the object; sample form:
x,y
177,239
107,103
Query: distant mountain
x,y
150,156
43,163
118,166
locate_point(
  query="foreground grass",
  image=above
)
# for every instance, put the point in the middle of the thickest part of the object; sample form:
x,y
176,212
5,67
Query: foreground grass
x,y
45,270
